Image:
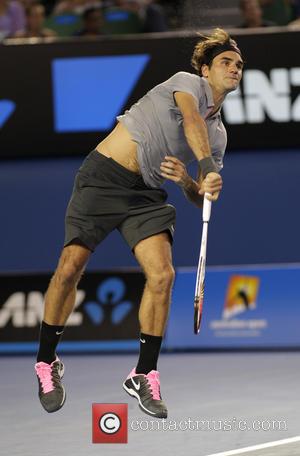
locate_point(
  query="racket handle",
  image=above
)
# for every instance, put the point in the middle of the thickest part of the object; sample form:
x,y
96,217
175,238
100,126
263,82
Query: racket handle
x,y
206,208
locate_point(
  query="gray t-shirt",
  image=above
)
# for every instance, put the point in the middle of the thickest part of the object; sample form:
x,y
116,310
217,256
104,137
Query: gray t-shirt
x,y
156,124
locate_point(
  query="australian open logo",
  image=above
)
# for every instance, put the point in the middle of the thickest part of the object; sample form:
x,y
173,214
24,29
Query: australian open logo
x,y
239,316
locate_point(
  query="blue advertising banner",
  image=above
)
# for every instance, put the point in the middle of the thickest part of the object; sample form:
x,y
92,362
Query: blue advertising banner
x,y
244,307
104,316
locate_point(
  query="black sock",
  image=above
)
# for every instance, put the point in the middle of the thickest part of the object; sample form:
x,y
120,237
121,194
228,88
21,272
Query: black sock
x,y
49,337
149,352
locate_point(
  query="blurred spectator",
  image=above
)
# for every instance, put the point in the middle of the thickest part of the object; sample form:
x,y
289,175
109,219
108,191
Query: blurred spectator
x,y
173,12
154,18
35,18
92,23
295,24
75,6
135,16
278,11
122,17
296,7
65,18
48,4
26,3
12,18
252,14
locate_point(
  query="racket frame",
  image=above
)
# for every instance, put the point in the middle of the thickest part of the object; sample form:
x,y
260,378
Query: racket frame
x,y
200,278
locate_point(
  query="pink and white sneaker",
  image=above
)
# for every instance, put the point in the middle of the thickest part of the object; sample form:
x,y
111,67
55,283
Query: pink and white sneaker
x,y
52,393
146,388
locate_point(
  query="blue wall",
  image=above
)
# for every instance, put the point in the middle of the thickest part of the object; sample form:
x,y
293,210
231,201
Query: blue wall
x,y
256,219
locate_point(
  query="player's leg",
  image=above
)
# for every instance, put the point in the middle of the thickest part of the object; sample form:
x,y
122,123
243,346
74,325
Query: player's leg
x,y
59,303
97,206
155,257
60,296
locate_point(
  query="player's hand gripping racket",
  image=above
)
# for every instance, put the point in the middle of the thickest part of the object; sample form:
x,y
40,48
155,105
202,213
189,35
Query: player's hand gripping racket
x,y
199,290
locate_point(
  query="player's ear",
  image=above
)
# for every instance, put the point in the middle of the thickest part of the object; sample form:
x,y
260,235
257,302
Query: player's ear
x,y
204,70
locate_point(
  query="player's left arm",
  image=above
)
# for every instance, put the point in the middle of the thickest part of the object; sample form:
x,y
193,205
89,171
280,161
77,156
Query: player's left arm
x,y
191,190
174,169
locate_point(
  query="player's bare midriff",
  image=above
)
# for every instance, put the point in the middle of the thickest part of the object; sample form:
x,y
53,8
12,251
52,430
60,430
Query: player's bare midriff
x,y
120,146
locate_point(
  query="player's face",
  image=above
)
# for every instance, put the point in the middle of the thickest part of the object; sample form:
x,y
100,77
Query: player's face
x,y
225,72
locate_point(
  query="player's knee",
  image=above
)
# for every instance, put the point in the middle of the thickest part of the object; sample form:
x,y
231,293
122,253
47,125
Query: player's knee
x,y
161,278
67,275
69,270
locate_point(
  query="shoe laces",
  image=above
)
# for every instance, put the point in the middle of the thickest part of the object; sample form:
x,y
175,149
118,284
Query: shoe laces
x,y
45,373
153,380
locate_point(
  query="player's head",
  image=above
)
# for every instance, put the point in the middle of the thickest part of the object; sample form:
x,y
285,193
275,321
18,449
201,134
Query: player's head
x,y
218,58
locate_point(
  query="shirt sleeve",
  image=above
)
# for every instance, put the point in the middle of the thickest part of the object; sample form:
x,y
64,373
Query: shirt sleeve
x,y
186,82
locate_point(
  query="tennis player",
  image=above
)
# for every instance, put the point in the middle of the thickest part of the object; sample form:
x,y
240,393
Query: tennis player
x,y
118,186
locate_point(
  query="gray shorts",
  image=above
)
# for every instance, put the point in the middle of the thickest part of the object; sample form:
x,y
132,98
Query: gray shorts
x,y
107,196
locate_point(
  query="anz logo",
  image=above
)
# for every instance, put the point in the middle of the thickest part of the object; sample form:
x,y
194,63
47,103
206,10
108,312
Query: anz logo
x,y
263,96
25,310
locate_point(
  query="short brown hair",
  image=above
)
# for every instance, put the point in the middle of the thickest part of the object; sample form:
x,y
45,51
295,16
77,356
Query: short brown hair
x,y
207,44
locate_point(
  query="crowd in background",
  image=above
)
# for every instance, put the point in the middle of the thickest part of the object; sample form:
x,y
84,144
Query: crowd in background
x,y
267,13
47,18
32,18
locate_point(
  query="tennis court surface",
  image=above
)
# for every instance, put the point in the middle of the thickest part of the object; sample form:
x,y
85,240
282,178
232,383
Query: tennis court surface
x,y
219,404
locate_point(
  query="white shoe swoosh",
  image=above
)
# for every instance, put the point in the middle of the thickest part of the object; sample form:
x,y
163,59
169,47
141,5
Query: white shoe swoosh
x,y
136,385
143,341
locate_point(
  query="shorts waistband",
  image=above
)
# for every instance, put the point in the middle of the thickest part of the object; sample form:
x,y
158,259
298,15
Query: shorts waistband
x,y
126,173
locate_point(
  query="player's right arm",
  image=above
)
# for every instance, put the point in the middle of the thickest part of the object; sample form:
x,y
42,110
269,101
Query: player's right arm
x,y
197,137
194,125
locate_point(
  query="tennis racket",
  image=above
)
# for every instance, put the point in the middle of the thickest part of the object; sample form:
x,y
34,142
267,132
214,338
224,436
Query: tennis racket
x,y
199,290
